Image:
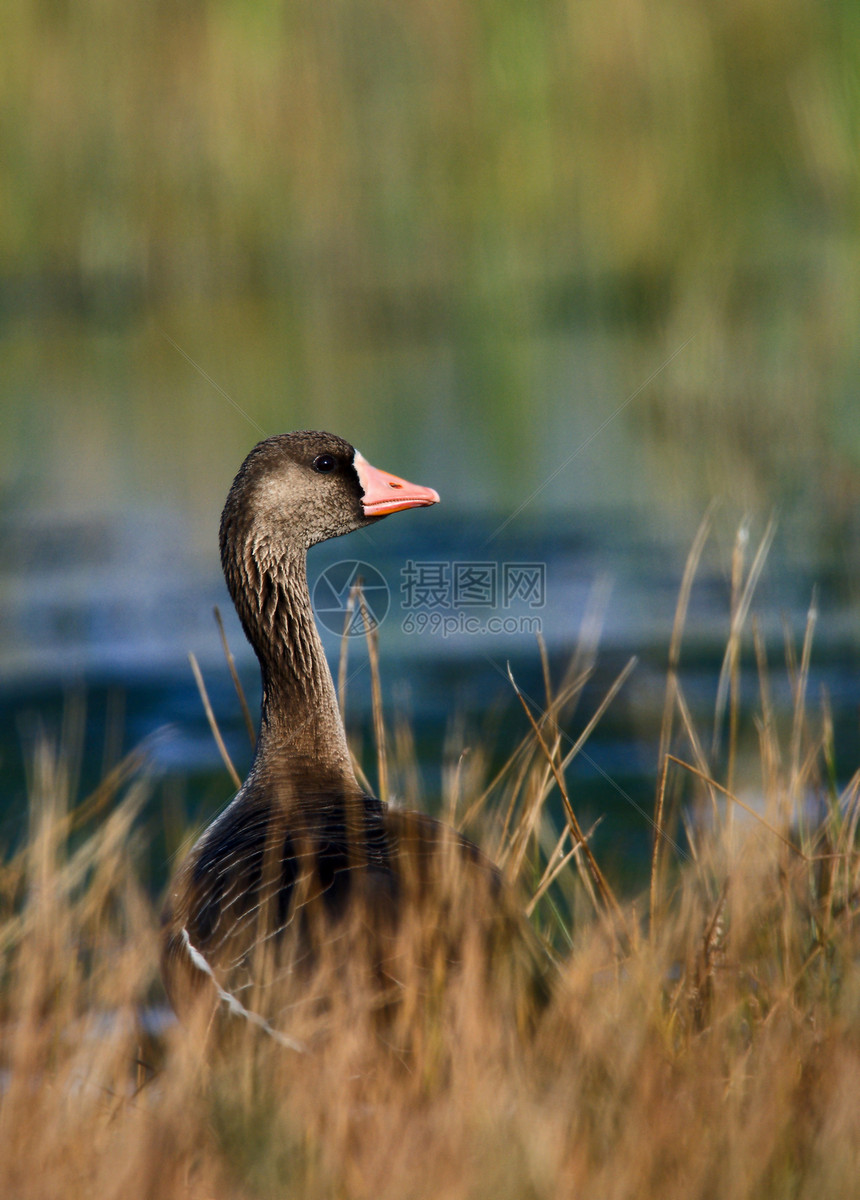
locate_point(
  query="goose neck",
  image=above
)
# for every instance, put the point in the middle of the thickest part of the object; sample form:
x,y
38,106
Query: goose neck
x,y
301,732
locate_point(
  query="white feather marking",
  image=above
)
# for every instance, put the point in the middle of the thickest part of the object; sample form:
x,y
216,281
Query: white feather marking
x,y
233,1005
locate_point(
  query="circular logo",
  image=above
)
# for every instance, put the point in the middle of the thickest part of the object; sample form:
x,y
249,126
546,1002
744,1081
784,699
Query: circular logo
x,y
336,598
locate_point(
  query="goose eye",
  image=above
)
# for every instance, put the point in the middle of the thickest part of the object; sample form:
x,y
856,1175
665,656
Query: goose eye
x,y
325,463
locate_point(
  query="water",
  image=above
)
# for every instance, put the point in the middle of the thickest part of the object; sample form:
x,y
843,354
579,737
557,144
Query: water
x,y
526,258
99,617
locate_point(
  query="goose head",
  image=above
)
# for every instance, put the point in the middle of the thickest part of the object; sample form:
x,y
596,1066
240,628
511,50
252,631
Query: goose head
x,y
297,489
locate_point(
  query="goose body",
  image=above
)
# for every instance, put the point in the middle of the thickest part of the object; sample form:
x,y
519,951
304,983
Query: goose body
x,y
303,863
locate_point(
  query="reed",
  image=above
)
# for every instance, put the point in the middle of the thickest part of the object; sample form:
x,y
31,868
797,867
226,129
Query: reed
x,y
711,1051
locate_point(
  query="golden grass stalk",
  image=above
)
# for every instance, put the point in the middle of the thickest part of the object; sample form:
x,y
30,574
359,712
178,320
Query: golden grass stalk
x,y
576,831
213,723
372,638
690,568
234,675
718,1057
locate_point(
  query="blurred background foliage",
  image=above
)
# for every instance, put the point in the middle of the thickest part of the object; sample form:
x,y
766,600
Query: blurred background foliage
x,y
582,265
461,232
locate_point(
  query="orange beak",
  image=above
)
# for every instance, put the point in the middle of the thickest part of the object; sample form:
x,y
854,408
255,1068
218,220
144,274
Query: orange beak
x,y
384,493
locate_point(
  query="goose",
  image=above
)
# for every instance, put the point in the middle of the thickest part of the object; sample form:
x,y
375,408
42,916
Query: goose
x,y
303,862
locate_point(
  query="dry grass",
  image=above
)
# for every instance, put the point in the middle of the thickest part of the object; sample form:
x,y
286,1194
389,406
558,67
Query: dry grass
x,y
713,1051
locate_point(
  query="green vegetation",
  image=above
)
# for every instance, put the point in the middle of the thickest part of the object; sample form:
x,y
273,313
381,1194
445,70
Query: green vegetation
x,y
709,1051
353,213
